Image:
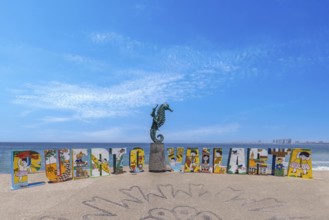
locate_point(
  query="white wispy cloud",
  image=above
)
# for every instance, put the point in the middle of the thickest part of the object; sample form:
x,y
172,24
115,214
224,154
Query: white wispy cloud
x,y
147,88
116,39
113,134
181,72
135,133
99,102
76,58
210,133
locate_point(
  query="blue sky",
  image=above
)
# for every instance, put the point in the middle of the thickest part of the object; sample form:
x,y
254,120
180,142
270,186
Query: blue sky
x,y
231,71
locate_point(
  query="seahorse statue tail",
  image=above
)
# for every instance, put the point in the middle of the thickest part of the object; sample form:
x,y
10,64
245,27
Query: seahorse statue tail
x,y
156,138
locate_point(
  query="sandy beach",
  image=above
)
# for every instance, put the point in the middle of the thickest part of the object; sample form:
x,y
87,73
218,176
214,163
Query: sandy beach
x,y
169,196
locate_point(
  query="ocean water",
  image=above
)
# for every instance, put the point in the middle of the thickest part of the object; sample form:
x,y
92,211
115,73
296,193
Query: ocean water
x,y
320,152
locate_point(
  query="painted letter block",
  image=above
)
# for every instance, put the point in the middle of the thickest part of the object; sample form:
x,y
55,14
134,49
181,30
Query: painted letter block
x,y
179,157
81,163
100,162
24,163
236,161
192,161
58,166
205,160
217,161
175,160
279,164
257,161
171,158
136,161
118,154
300,164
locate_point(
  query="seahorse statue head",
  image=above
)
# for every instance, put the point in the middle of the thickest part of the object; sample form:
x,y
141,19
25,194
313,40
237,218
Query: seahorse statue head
x,y
166,107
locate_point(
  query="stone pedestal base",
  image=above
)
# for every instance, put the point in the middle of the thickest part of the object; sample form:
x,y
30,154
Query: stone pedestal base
x,y
157,162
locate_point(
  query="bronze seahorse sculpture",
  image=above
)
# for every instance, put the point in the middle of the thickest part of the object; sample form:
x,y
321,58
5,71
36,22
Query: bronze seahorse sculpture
x,y
159,119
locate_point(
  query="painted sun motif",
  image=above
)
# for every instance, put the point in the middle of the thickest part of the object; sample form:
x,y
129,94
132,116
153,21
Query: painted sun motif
x,y
168,203
171,202
178,213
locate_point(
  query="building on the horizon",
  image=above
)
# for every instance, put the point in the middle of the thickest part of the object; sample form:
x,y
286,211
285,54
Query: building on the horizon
x,y
282,141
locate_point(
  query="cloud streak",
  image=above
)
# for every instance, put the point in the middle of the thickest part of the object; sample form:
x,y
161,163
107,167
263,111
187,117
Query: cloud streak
x,y
180,73
116,39
210,133
87,102
98,102
132,133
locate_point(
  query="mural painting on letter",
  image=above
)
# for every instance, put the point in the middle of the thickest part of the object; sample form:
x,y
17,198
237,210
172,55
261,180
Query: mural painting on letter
x,y
118,156
217,161
137,160
236,161
58,166
205,161
192,161
24,163
175,159
81,163
279,161
100,162
300,164
257,161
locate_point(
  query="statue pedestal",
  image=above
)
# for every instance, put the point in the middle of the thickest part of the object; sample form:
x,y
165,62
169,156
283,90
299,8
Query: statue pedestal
x,y
157,162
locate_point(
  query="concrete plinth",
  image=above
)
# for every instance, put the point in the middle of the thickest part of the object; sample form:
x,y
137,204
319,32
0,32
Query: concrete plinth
x,y
157,162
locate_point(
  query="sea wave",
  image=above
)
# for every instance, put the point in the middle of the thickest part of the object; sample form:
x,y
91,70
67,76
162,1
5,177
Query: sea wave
x,y
320,165
318,162
320,168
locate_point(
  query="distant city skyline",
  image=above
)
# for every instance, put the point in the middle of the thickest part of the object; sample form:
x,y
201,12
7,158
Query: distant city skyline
x,y
232,72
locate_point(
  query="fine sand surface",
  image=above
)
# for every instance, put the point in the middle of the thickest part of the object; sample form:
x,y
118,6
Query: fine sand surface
x,y
169,196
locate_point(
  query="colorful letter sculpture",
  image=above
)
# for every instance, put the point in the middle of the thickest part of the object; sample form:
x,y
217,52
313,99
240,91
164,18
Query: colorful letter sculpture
x,y
236,161
23,163
257,161
137,158
81,163
205,161
171,157
217,161
279,164
64,164
175,160
118,154
192,161
300,163
58,165
100,162
179,158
